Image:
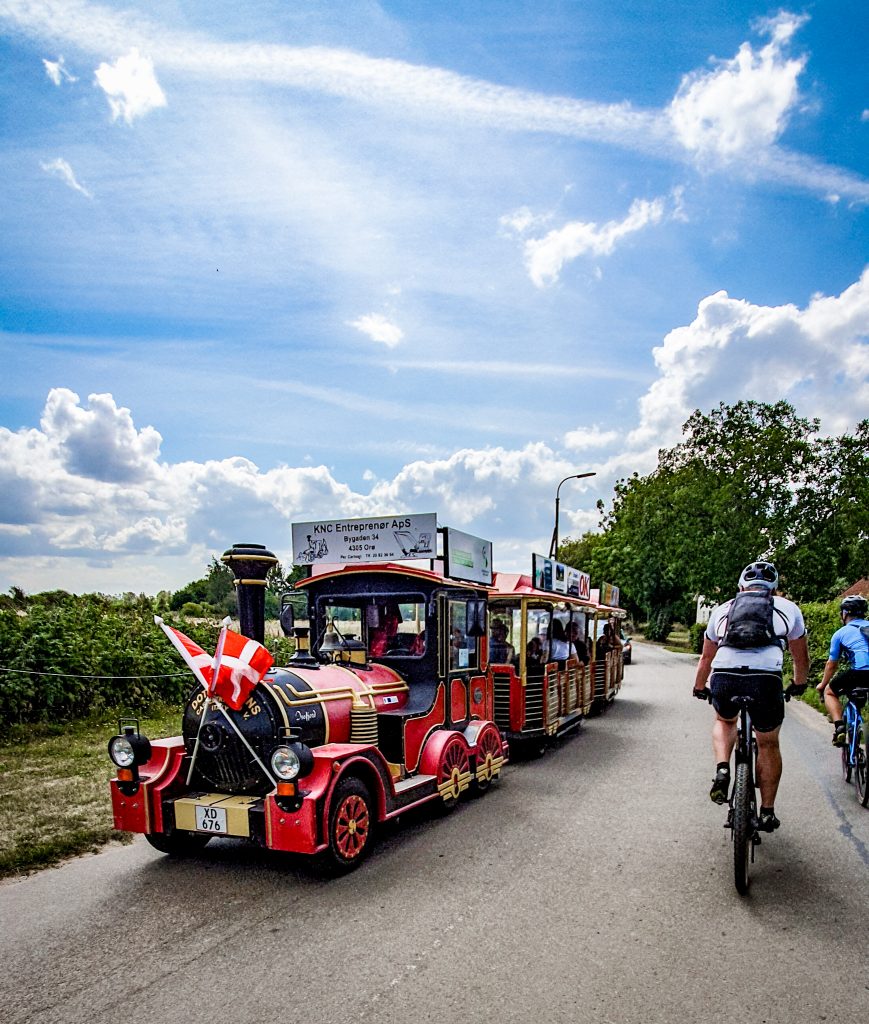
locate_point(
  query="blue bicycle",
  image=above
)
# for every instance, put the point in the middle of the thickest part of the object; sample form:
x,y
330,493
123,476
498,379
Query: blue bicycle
x,y
855,753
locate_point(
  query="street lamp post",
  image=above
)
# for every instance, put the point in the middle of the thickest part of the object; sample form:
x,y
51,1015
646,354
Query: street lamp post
x,y
553,547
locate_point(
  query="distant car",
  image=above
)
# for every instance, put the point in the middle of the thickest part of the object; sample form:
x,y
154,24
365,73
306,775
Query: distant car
x,y
626,649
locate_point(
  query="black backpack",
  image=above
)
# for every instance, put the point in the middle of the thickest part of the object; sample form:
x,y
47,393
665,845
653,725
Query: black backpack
x,y
749,621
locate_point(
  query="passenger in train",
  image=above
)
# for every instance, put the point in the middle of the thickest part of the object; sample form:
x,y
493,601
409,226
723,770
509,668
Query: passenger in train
x,y
501,652
381,637
535,657
559,649
579,644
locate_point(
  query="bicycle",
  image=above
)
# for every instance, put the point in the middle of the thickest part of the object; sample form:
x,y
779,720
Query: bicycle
x,y
742,816
855,753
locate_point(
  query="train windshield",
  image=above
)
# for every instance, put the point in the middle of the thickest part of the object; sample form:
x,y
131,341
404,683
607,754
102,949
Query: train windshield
x,y
388,627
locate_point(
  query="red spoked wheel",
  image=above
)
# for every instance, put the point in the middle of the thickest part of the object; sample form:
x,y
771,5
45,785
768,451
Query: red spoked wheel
x,y
490,757
454,772
351,825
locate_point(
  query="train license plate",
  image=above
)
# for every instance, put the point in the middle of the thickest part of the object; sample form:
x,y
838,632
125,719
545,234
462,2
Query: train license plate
x,y
211,819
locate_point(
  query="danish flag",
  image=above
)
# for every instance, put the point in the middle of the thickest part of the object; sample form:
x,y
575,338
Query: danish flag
x,y
239,663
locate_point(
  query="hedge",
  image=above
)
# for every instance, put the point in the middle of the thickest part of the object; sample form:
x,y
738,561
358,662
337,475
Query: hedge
x,y
65,657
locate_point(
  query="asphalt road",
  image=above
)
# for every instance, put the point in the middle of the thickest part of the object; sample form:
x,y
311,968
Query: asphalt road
x,y
594,884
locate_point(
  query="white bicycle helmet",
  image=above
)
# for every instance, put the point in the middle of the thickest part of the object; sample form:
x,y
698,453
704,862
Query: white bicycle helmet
x,y
759,574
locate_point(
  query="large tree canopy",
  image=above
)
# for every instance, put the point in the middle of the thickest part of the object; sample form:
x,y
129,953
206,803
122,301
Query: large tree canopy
x,y
748,481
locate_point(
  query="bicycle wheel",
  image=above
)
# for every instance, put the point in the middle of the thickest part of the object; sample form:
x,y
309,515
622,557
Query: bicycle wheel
x,y
862,767
743,828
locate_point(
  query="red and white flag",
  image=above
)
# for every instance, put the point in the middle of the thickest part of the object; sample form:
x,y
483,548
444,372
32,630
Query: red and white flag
x,y
197,660
242,663
237,666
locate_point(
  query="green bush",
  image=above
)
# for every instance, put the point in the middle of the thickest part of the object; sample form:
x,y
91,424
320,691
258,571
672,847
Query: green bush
x,y
65,657
695,636
659,625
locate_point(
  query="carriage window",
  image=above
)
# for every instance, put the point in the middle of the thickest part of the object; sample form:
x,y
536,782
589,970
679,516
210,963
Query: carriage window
x,y
505,630
537,649
463,648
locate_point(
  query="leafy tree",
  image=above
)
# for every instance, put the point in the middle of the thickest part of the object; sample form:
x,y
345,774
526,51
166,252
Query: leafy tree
x,y
748,481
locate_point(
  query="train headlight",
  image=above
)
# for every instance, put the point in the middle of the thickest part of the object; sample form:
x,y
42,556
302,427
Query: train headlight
x,y
286,763
121,751
291,759
129,748
128,751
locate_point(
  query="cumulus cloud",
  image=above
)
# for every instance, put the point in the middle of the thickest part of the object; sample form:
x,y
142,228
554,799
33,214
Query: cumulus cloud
x,y
741,105
85,497
57,72
378,328
131,86
589,437
545,257
735,349
100,443
59,168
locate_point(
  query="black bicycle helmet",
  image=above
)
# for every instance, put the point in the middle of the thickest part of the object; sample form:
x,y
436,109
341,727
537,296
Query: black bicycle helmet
x,y
854,605
759,574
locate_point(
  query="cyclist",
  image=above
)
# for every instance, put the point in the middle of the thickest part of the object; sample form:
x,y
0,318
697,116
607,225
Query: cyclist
x,y
769,623
850,644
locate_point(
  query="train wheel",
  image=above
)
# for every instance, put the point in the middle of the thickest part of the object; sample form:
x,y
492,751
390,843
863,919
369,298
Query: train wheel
x,y
454,772
489,760
351,826
178,844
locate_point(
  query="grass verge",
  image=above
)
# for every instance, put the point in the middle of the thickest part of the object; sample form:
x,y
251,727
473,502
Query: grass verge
x,y
54,789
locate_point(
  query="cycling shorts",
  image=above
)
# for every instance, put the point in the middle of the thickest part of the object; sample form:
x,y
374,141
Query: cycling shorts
x,y
849,680
768,710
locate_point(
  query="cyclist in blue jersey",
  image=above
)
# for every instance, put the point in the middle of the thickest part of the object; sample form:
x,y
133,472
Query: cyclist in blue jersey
x,y
851,645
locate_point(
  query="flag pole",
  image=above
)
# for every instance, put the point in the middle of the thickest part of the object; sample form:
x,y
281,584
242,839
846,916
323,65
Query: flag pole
x,y
215,667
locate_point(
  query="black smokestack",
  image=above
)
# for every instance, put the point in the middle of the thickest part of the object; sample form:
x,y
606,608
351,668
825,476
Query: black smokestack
x,y
250,564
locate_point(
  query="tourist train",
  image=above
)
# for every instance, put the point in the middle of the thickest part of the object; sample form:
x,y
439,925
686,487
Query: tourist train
x,y
407,686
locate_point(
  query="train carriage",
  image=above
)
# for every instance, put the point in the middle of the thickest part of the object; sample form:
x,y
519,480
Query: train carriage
x,y
386,705
539,659
607,661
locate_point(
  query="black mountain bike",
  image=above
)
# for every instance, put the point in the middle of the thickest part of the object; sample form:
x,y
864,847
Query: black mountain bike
x,y
742,814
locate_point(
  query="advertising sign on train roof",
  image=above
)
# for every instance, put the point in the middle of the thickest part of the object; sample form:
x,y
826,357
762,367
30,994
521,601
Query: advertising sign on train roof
x,y
372,539
558,578
467,557
609,595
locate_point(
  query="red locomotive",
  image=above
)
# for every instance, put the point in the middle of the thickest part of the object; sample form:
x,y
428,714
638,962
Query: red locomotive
x,y
387,704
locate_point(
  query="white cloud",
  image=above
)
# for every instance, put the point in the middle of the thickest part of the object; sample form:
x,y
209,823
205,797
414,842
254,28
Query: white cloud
x,y
131,86
99,443
523,219
378,328
61,169
742,105
865,115
589,437
817,358
57,72
761,87
545,257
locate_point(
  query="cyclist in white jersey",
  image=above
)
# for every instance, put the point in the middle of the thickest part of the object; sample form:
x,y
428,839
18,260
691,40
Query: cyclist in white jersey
x,y
755,672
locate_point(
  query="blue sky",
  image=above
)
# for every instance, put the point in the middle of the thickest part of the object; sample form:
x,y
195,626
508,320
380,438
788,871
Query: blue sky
x,y
272,262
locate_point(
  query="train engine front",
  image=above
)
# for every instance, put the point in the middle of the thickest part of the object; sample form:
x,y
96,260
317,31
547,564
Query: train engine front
x,y
388,715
